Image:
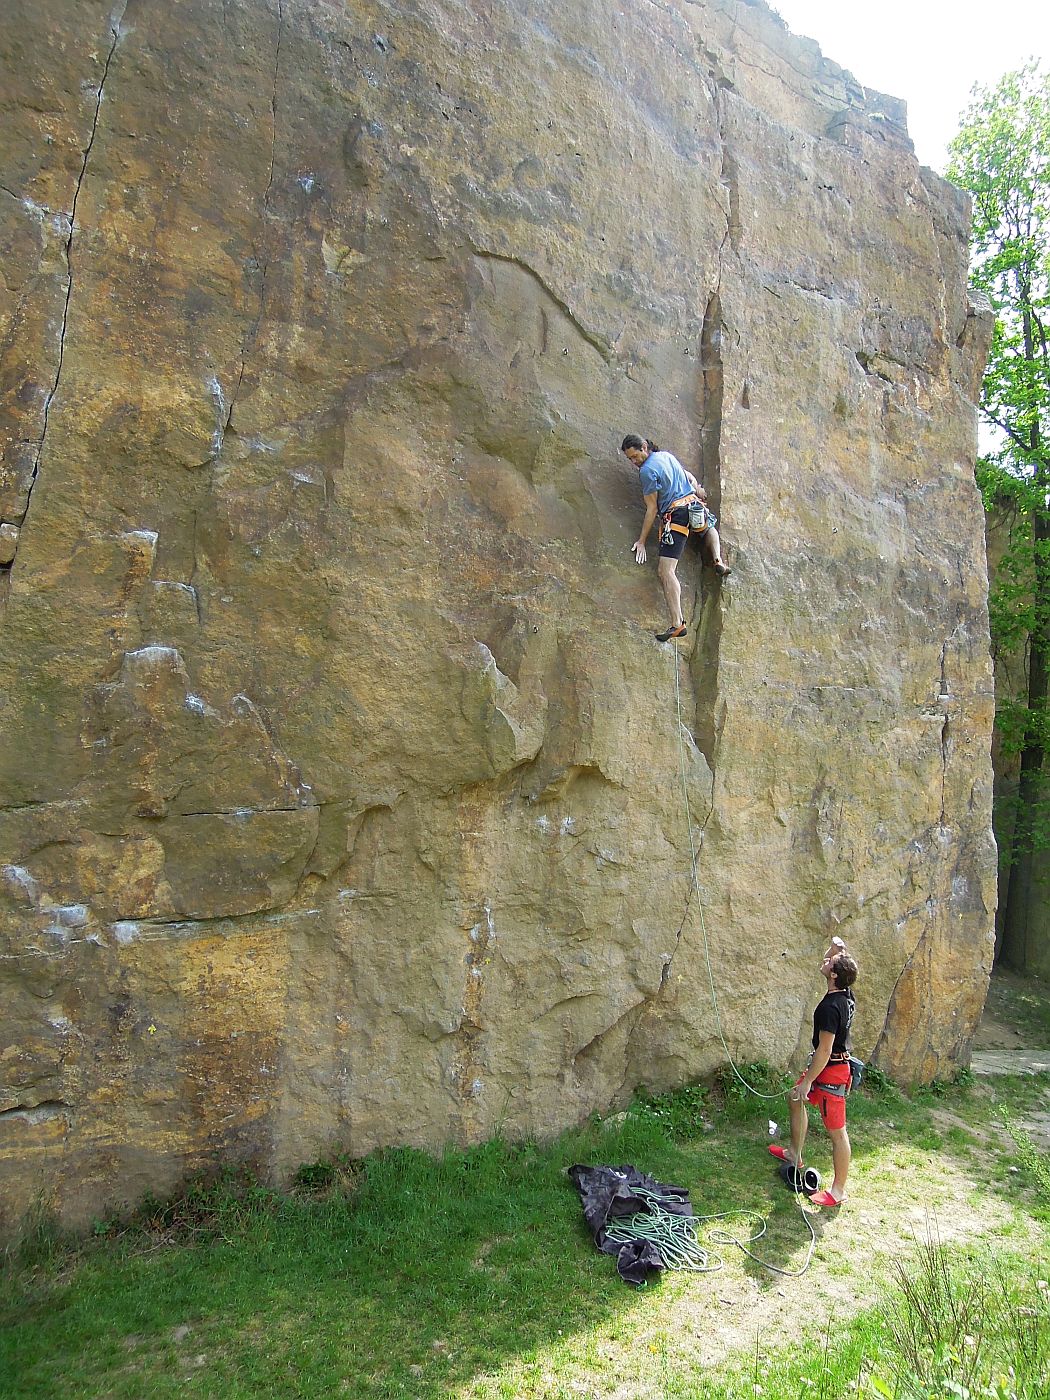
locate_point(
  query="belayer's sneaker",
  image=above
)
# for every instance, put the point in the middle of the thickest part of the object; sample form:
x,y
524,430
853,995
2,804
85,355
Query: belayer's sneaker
x,y
672,632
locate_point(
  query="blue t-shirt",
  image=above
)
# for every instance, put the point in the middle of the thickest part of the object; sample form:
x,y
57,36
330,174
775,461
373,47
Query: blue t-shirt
x,y
663,473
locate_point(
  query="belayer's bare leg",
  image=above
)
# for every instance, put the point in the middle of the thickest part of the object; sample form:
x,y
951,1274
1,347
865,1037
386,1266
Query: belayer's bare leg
x,y
799,1127
841,1155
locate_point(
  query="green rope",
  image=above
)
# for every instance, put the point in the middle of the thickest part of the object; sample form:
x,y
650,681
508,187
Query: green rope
x,y
723,1238
696,886
677,1237
674,1235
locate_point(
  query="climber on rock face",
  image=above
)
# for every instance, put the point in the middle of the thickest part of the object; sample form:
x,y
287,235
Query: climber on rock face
x,y
668,490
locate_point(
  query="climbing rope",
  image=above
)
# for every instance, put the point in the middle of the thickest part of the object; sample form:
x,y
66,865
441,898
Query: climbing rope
x,y
723,1238
677,1237
695,885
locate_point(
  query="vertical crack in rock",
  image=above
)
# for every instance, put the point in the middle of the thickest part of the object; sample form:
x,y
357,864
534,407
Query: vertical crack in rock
x,y
884,1036
194,567
891,1002
704,667
637,1012
262,263
731,180
729,173
711,399
695,848
703,670
665,971
273,95
944,697
729,177
114,29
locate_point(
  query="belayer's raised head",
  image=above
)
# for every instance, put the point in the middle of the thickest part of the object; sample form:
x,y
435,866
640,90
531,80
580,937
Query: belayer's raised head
x,y
637,449
839,967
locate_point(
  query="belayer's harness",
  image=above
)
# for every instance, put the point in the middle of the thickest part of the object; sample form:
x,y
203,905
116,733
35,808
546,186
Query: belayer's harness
x,y
856,1074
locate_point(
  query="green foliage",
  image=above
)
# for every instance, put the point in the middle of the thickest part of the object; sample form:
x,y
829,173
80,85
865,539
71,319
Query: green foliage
x,y
319,1178
878,1083
680,1114
471,1274
40,1242
740,1087
212,1206
961,1083
1002,156
963,1329
1033,1161
314,1176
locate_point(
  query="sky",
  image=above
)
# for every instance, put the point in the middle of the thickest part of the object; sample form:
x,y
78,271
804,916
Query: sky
x,y
929,52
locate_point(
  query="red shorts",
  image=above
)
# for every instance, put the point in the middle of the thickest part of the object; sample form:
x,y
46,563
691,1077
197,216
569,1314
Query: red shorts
x,y
832,1106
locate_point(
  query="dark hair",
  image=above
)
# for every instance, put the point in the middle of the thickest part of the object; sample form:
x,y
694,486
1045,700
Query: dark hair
x,y
845,970
639,444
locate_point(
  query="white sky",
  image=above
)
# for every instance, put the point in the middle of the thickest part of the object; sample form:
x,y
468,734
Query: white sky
x,y
929,52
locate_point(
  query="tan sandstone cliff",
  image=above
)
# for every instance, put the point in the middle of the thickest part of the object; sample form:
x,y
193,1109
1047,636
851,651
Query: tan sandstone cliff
x,y
340,796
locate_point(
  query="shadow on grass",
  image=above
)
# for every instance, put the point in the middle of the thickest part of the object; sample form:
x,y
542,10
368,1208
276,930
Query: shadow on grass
x,y
420,1278
425,1275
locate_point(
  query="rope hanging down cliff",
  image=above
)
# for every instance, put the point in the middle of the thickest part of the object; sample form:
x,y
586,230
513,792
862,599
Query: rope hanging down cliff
x,y
724,1238
695,885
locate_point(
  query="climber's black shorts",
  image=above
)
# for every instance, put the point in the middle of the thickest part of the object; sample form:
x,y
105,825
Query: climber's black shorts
x,y
678,538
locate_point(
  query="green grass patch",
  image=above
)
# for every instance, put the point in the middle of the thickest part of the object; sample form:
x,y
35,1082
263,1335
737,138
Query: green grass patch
x,y
471,1275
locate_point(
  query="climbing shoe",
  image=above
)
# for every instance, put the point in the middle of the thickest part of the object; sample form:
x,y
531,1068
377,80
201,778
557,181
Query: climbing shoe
x,y
672,632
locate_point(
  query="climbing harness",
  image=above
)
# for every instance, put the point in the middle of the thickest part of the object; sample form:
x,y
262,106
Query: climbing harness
x,y
695,885
840,1091
669,528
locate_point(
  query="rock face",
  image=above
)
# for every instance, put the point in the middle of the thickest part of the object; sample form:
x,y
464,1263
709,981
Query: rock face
x,y
343,785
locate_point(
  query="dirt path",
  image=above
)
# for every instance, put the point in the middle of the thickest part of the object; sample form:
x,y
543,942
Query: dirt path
x,y
1012,1039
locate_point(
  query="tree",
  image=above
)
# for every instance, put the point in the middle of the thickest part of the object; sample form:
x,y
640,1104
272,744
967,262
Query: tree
x,y
1002,156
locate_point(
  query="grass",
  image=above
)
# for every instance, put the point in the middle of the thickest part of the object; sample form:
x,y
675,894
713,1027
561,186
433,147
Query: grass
x,y
472,1275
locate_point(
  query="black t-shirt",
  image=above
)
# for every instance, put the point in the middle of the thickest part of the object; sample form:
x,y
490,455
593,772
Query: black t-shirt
x,y
834,1013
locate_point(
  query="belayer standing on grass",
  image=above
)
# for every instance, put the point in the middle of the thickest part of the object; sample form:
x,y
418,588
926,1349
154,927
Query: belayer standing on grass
x,y
827,1076
669,490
